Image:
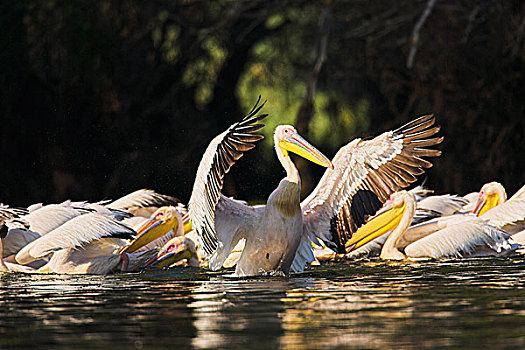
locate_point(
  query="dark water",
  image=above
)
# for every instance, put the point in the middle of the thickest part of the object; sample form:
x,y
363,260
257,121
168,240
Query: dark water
x,y
459,304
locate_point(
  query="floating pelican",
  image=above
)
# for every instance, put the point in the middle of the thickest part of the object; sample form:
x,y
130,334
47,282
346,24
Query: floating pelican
x,y
427,207
163,225
454,236
363,174
177,250
42,219
88,243
508,215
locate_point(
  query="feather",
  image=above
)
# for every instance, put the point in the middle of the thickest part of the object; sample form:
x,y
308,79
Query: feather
x,y
215,163
140,199
74,234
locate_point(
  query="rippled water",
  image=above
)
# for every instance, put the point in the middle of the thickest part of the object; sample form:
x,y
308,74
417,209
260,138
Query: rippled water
x,y
462,304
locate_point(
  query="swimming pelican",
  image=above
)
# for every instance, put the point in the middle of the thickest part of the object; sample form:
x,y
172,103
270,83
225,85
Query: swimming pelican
x,y
163,225
42,219
427,208
508,215
453,236
363,173
88,243
178,250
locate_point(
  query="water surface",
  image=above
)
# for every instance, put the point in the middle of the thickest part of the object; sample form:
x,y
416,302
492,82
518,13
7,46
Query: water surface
x,y
478,303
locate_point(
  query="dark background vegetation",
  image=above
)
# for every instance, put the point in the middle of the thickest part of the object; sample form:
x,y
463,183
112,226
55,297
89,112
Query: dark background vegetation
x,y
99,98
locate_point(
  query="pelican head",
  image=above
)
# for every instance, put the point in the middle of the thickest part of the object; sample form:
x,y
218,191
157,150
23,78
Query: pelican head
x,y
287,139
386,219
163,220
175,250
491,195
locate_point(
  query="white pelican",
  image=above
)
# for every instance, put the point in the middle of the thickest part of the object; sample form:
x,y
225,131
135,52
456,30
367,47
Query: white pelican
x,y
453,236
88,243
509,215
363,174
427,207
178,250
42,219
163,225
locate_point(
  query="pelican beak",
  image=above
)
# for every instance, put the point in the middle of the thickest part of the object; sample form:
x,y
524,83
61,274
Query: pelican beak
x,y
485,203
154,228
170,254
386,219
298,145
186,222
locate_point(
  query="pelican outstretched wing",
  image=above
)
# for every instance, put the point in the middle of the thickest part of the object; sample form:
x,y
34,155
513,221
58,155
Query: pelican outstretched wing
x,y
365,174
223,151
74,233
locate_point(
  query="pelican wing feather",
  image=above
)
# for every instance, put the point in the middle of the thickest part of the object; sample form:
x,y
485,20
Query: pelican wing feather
x,y
509,216
223,151
7,213
139,199
49,217
74,233
365,174
234,220
16,239
460,240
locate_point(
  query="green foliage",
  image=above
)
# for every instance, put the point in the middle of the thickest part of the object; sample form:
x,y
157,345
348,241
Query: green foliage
x,y
100,98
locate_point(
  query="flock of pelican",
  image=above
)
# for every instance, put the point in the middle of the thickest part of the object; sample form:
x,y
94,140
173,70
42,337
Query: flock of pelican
x,y
359,208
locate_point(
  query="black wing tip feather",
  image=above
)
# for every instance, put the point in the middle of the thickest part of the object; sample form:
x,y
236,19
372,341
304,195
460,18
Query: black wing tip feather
x,y
256,108
426,118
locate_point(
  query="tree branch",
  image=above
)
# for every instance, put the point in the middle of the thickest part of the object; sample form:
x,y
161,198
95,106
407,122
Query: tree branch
x,y
415,33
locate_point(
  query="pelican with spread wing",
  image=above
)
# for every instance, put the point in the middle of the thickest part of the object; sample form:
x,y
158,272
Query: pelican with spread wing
x,y
272,232
278,235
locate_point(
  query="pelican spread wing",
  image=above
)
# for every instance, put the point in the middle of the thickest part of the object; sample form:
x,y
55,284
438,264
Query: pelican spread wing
x,y
365,174
223,151
75,233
